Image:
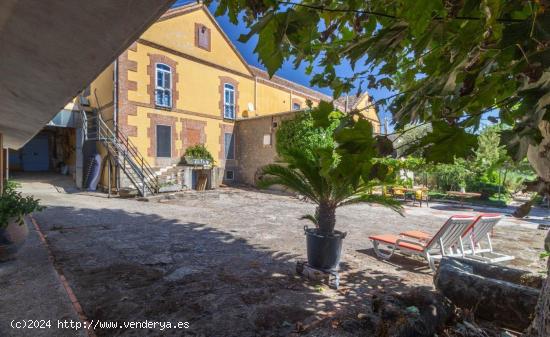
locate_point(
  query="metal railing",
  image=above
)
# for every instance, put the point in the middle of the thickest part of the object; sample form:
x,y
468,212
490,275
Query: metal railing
x,y
126,154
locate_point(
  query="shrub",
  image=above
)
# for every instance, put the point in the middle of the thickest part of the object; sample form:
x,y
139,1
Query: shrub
x,y
300,133
452,176
14,205
486,189
199,152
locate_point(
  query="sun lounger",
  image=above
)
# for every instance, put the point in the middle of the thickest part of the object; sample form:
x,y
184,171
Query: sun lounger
x,y
446,242
477,235
476,240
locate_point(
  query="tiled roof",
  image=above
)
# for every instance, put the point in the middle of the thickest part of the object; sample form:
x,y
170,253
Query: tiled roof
x,y
353,100
263,75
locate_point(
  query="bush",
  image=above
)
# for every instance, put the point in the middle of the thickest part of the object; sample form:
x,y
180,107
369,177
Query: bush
x,y
14,205
451,177
299,133
487,190
199,152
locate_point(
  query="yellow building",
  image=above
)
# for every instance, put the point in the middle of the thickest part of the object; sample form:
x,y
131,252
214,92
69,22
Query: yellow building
x,y
183,83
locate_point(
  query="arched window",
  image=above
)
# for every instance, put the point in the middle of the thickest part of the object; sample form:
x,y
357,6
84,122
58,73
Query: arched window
x,y
228,101
296,106
163,86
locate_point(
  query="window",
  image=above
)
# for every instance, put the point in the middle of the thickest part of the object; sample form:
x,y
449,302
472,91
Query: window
x,y
163,87
296,106
164,141
229,175
229,145
267,139
202,39
228,101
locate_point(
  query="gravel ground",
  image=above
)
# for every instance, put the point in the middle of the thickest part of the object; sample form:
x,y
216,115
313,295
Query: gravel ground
x,y
224,260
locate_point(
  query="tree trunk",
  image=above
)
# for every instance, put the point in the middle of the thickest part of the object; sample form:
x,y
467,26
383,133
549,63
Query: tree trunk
x,y
539,158
540,326
326,217
493,293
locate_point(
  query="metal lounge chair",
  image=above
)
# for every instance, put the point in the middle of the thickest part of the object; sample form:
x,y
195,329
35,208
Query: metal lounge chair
x,y
446,242
476,240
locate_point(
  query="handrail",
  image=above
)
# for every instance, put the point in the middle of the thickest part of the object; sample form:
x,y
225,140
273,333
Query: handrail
x,y
144,170
122,145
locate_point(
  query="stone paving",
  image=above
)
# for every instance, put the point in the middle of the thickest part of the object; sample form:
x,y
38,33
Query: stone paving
x,y
31,294
224,260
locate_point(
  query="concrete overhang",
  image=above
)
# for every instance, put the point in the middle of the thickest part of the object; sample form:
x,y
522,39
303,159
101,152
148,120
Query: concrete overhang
x,y
51,49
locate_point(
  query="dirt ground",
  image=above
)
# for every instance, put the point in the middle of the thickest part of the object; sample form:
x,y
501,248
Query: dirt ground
x,y
224,260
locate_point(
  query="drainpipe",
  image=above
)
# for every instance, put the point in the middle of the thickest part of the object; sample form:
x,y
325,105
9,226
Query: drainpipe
x,y
115,97
290,109
7,160
115,124
256,95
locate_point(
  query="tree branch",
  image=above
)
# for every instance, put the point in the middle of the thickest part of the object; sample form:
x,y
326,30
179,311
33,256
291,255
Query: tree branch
x,y
385,15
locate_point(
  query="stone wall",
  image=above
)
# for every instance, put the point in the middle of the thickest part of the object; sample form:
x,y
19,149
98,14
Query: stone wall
x,y
255,139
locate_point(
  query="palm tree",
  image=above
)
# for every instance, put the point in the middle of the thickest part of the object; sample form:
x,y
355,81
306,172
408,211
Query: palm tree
x,y
326,179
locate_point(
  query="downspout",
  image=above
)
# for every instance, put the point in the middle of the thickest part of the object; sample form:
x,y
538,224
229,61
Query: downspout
x,y
115,122
255,95
115,97
7,161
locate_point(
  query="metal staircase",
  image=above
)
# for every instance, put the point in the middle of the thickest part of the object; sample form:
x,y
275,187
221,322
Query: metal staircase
x,y
119,146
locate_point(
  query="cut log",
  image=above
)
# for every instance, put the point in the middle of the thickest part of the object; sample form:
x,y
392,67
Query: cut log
x,y
491,292
420,312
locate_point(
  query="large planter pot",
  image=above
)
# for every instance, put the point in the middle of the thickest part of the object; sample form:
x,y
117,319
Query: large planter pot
x,y
12,238
323,251
197,161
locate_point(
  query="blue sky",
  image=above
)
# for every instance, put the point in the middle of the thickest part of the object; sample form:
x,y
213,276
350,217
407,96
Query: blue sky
x,y
287,71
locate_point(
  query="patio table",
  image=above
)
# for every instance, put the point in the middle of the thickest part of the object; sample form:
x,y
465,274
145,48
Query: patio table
x,y
463,195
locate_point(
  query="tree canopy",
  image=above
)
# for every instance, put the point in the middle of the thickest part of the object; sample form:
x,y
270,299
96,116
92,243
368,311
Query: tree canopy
x,y
452,63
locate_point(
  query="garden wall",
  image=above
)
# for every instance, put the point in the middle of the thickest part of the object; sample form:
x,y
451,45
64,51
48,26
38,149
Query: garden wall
x,y
255,143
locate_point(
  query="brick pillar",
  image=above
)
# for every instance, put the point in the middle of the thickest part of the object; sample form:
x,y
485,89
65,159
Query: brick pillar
x,y
1,164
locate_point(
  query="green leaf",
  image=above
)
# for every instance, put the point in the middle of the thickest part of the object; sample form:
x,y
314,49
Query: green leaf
x,y
356,139
445,142
270,47
384,146
322,114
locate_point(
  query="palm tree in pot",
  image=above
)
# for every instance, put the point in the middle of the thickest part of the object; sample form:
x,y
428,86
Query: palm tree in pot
x,y
332,175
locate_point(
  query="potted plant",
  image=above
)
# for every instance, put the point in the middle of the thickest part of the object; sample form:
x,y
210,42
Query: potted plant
x,y
331,175
13,228
198,155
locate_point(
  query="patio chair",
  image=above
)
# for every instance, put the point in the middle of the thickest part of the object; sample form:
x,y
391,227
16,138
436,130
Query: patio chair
x,y
446,242
476,240
399,192
420,195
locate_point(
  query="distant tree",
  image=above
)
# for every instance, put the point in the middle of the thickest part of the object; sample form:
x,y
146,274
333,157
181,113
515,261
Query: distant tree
x,y
490,154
